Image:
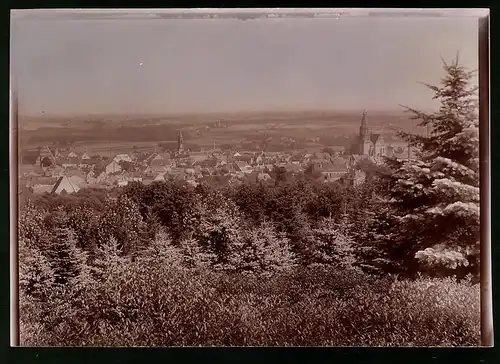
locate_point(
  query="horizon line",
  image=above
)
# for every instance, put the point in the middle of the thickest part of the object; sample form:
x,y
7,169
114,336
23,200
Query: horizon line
x,y
203,113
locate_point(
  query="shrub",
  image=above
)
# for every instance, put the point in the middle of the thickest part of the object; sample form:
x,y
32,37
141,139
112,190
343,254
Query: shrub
x,y
157,304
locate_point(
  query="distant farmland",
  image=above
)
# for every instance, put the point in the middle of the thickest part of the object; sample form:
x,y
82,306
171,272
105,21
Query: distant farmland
x,y
112,134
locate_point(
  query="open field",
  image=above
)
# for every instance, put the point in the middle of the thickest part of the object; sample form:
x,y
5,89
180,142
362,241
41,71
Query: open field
x,y
262,120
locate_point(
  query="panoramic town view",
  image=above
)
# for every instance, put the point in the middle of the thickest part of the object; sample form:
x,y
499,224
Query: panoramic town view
x,y
274,182
252,151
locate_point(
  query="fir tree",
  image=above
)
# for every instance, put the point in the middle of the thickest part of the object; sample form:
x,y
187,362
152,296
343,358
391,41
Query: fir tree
x,y
332,244
435,199
109,259
265,251
122,220
195,255
219,229
162,250
31,227
84,221
36,276
68,261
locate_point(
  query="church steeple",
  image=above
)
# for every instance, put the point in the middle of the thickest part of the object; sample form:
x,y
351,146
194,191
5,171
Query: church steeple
x,y
180,143
365,144
364,132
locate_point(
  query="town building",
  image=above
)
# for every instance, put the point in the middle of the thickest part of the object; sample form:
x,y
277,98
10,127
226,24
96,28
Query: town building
x,y
89,163
122,157
159,160
85,156
72,154
368,143
241,166
113,167
46,157
64,184
68,162
181,153
330,172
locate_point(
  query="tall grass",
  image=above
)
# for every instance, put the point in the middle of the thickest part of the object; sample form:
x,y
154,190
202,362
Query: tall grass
x,y
157,304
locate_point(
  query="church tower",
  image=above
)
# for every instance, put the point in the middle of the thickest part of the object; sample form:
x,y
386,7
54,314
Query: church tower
x,y
180,143
364,136
364,132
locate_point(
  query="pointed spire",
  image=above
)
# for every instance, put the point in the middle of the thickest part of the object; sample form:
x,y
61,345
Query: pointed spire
x,y
180,142
364,119
364,132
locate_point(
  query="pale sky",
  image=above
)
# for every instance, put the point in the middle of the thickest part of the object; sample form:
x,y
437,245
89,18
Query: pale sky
x,y
94,66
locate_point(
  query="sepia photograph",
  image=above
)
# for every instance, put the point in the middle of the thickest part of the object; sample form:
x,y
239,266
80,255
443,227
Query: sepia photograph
x,y
250,177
